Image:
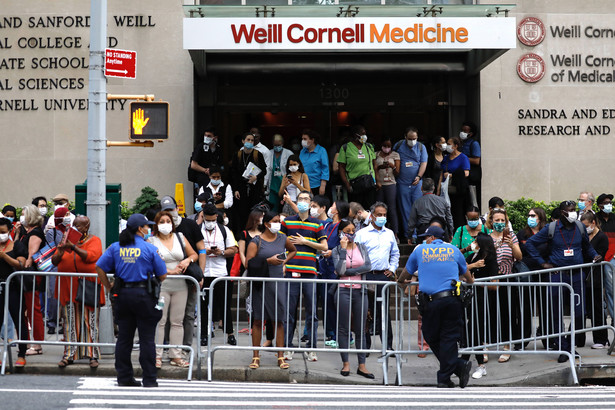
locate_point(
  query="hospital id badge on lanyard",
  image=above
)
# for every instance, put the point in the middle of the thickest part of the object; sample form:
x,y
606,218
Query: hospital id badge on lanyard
x,y
568,252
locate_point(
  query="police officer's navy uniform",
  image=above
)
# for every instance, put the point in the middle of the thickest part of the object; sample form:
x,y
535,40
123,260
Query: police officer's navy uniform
x,y
135,308
438,264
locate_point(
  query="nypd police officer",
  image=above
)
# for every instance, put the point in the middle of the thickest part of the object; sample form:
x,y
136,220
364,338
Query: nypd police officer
x,y
440,265
133,260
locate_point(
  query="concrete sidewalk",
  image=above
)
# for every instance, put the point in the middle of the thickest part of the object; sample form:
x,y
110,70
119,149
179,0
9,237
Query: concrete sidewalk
x,y
232,365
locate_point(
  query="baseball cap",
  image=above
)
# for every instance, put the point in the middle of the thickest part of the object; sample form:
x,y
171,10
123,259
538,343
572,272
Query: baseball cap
x,y
167,203
434,231
137,220
602,197
60,197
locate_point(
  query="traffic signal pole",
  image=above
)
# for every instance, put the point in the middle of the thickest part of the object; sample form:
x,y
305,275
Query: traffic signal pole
x,y
96,202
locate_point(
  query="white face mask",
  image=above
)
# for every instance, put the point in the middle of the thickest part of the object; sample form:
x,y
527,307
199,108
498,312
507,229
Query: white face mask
x,y
55,208
207,140
210,225
66,221
463,135
411,143
275,227
225,221
305,143
176,218
589,229
443,147
473,246
449,149
165,229
330,213
4,237
22,219
572,216
293,168
314,212
363,138
43,211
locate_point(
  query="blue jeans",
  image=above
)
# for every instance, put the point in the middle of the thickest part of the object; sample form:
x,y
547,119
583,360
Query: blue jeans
x,y
406,195
295,290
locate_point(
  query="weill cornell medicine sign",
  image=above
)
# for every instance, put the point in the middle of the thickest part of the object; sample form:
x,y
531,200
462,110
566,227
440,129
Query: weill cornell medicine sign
x,y
351,34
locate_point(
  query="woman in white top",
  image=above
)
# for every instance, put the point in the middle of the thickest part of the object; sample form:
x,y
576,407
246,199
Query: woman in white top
x,y
294,182
174,292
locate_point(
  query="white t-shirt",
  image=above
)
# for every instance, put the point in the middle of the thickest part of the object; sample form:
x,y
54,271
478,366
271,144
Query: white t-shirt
x,y
216,265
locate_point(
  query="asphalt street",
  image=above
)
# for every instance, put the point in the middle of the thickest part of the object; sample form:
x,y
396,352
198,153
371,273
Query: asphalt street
x,y
71,392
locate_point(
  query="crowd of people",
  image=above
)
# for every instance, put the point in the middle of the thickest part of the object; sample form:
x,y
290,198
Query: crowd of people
x,y
275,213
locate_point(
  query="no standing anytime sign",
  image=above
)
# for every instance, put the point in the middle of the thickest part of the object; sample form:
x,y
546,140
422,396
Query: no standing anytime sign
x,y
120,63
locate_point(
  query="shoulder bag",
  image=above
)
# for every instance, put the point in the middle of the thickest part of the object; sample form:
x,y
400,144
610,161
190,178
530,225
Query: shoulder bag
x,y
42,258
193,270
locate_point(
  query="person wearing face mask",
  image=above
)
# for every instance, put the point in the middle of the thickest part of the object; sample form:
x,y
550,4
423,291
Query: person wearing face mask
x,y
13,258
585,203
359,216
203,198
426,208
175,292
594,295
507,250
413,160
471,149
294,182
34,240
435,157
9,212
134,260
607,225
194,236
307,234
466,234
569,245
41,203
220,245
205,155
456,168
80,320
54,238
260,147
276,166
59,201
357,164
247,191
384,254
315,160
352,263
269,301
221,193
388,166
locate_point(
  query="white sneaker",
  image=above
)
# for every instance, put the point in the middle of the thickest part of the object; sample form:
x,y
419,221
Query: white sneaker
x,y
480,372
311,356
598,346
288,355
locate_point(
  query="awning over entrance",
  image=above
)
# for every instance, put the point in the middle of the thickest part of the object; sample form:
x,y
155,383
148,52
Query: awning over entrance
x,y
349,39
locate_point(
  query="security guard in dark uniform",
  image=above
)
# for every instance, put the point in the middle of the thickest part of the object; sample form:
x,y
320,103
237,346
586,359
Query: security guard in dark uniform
x,y
439,266
134,262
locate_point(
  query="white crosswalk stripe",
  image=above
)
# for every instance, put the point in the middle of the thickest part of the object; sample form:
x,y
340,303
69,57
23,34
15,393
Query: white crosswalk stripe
x,y
103,393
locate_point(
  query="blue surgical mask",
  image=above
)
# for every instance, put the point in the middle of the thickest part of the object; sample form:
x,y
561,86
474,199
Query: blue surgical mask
x,y
532,222
303,206
607,208
278,148
215,182
581,205
10,218
148,234
248,145
499,226
473,223
198,207
381,221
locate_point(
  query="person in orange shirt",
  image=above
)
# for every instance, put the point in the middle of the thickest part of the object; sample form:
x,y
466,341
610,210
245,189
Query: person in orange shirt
x,y
80,320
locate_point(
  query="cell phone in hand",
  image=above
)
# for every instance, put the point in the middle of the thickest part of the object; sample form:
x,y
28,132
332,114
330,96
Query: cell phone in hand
x,y
506,232
213,247
281,256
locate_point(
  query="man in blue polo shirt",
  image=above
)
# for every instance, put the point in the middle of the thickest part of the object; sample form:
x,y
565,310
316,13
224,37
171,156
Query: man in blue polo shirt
x,y
569,245
471,148
413,157
439,265
315,162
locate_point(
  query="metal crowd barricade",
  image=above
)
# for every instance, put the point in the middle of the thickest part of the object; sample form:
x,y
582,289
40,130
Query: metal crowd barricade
x,y
523,310
332,289
17,279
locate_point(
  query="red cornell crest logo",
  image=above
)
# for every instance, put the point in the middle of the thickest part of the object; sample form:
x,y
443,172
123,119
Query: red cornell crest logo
x,y
531,31
531,68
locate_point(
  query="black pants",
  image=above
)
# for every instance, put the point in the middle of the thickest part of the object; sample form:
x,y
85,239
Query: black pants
x,y
377,321
366,198
18,315
135,309
220,291
442,322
